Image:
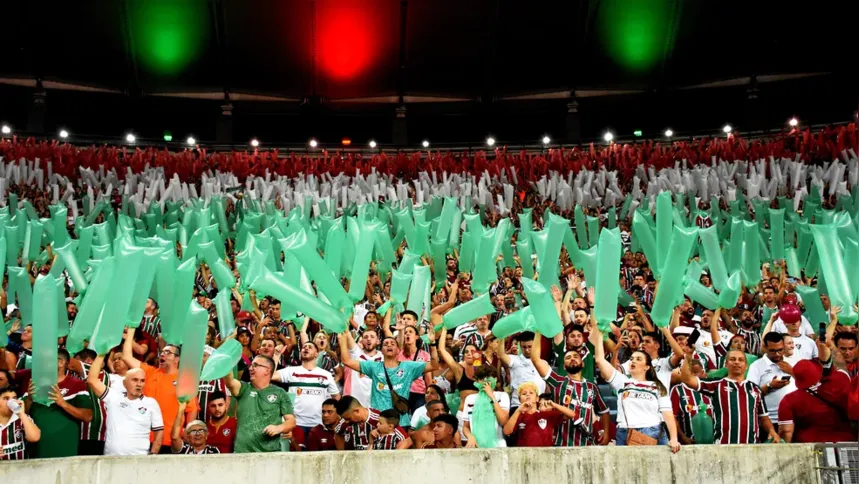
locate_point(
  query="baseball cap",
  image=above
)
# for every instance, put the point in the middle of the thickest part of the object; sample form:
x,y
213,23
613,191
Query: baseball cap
x,y
244,316
807,373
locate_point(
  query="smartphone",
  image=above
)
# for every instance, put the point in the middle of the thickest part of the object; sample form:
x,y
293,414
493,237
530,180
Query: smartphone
x,y
785,378
821,332
693,338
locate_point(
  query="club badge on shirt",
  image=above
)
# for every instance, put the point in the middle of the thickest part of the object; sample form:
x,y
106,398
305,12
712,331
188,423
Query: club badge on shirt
x,y
542,423
271,398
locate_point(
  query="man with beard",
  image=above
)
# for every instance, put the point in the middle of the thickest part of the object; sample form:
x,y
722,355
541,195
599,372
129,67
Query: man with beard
x,y
222,427
747,330
310,386
322,437
355,383
573,339
575,393
389,375
161,383
705,343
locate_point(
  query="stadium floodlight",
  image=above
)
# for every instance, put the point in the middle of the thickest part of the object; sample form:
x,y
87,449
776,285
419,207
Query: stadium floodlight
x,y
490,141
191,141
793,122
372,144
5,129
546,140
313,143
255,143
608,136
425,144
669,133
727,129
64,134
130,138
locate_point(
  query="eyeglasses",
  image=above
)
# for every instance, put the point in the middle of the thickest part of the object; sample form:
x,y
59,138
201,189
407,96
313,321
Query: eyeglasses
x,y
776,351
196,432
257,365
165,352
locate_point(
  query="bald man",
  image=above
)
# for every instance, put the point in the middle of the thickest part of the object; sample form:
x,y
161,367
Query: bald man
x,y
131,416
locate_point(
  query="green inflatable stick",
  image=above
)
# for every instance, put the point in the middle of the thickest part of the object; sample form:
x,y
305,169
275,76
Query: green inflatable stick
x,y
593,230
45,339
400,283
226,322
606,288
701,294
484,264
777,233
193,344
66,253
549,258
62,314
24,292
581,227
644,234
664,224
731,293
543,308
793,268
32,241
455,229
334,248
851,260
477,307
222,361
361,264
12,247
671,285
173,326
59,219
445,220
513,323
715,260
419,290
735,261
466,253
523,249
316,268
108,331
814,311
751,254
92,306
835,272
143,286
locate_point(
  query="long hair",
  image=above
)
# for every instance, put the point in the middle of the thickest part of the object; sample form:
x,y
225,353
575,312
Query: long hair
x,y
442,395
650,375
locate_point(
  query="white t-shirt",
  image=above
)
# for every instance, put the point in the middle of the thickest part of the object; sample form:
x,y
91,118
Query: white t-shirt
x,y
420,414
639,403
805,348
356,384
129,422
522,370
705,342
804,327
663,370
503,402
115,380
761,373
310,388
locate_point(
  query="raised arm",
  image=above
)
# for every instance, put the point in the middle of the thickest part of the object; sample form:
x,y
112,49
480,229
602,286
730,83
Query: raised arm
x,y
444,355
95,384
714,326
233,385
346,358
676,350
686,375
128,350
498,347
176,430
606,368
540,364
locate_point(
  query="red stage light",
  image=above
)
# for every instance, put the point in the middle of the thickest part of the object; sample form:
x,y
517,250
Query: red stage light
x,y
346,44
346,141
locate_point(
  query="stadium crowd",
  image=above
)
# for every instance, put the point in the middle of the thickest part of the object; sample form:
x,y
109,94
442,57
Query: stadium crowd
x,y
760,370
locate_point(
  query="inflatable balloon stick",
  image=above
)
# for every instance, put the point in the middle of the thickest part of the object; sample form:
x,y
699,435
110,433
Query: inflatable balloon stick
x,y
543,308
606,287
226,321
193,343
701,294
715,261
173,325
549,258
222,361
477,307
419,291
831,260
731,293
400,283
319,271
516,322
751,254
45,338
644,234
777,236
664,223
814,311
363,256
671,285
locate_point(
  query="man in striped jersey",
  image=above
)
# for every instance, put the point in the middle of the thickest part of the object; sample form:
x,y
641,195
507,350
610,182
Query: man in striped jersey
x,y
16,428
208,388
739,410
151,323
746,329
93,432
310,386
574,392
686,403
353,431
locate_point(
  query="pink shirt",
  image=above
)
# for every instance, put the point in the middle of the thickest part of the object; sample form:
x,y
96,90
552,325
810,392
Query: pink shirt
x,y
420,384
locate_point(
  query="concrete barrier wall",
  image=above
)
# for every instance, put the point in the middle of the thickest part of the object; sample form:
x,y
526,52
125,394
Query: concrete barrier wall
x,y
627,465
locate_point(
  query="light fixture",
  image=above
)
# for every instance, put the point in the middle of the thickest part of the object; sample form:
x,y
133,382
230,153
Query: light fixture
x,y
727,129
669,133
608,136
313,143
638,133
168,136
425,144
372,144
546,140
6,129
793,122
64,134
490,141
130,138
191,141
255,142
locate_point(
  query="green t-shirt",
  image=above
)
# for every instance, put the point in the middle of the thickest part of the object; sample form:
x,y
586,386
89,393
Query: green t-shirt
x,y
401,377
258,409
587,360
60,431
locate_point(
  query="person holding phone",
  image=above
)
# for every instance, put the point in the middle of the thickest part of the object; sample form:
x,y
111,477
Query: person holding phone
x,y
772,374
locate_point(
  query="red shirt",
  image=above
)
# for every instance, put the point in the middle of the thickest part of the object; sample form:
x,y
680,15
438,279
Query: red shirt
x,y
222,436
813,419
535,429
320,438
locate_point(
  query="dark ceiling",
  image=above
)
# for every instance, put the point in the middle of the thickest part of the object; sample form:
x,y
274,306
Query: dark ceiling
x,y
480,60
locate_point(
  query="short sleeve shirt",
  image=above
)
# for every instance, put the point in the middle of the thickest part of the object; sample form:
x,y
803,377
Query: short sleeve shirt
x,y
257,409
401,377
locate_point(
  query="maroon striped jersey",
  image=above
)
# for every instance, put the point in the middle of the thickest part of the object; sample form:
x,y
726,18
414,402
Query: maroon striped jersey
x,y
584,398
737,410
12,441
390,441
357,435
